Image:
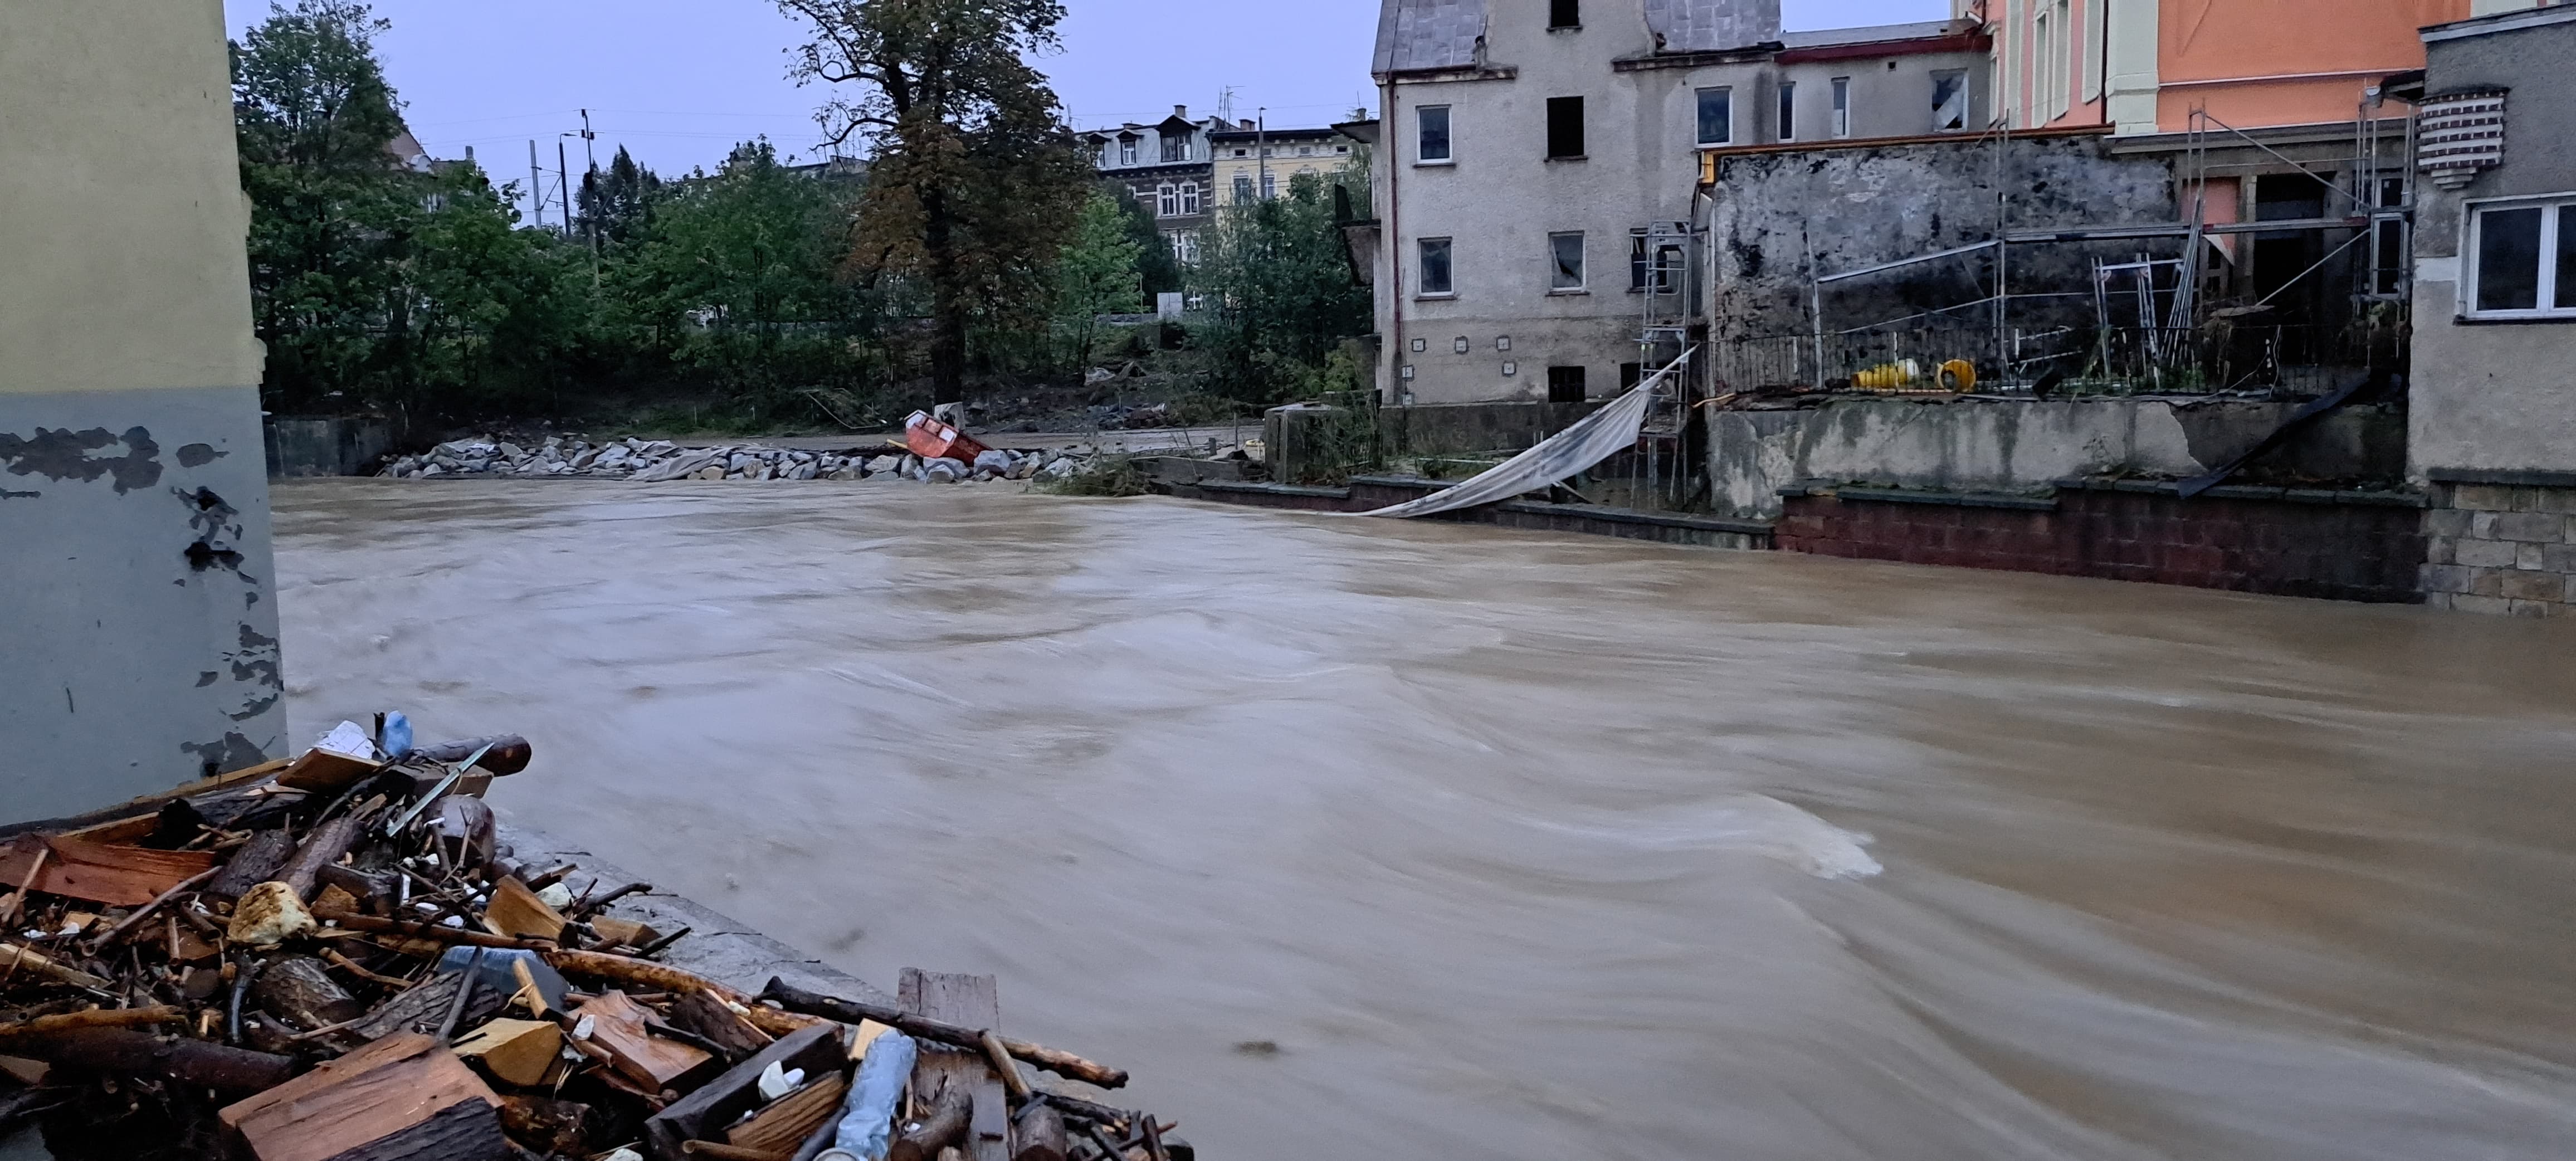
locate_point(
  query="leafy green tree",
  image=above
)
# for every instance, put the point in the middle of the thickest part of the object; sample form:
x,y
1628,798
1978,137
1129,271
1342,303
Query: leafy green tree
x,y
332,208
619,199
974,176
484,314
1096,275
1283,291
1154,261
742,265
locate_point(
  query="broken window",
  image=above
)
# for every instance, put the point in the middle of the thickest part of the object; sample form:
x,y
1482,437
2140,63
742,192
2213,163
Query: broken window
x,y
1435,267
1565,253
1788,127
1565,385
1717,116
1564,128
2526,261
1949,100
1433,143
1565,13
1842,121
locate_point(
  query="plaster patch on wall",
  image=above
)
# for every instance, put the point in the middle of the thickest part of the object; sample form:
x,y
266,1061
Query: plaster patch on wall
x,y
210,518
61,455
232,752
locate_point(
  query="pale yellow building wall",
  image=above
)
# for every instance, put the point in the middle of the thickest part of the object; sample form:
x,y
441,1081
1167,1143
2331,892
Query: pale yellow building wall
x,y
1284,164
122,221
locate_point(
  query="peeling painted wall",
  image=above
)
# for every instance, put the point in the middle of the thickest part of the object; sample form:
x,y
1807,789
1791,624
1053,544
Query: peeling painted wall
x,y
2008,446
141,637
1862,206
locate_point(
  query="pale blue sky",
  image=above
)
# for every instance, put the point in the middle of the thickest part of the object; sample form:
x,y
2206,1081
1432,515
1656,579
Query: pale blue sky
x,y
678,81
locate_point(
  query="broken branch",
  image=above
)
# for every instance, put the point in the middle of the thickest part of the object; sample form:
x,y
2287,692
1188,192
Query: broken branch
x,y
851,1012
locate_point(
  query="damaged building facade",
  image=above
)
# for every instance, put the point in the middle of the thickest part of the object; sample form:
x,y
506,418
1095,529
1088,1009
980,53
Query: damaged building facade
x,y
133,493
1536,171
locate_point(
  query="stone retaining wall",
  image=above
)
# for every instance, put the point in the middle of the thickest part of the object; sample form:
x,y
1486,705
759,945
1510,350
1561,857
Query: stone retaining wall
x,y
2493,548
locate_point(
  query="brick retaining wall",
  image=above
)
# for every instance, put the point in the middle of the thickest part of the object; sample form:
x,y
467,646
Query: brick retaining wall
x,y
2354,546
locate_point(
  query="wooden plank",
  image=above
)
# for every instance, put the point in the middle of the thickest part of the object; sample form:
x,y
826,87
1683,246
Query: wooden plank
x,y
702,1115
117,876
347,1118
971,1002
377,1054
656,1062
517,1051
790,1119
464,1131
516,910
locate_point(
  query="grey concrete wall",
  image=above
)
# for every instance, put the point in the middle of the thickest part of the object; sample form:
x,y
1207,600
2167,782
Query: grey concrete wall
x,y
325,446
1860,206
2004,446
2495,396
141,629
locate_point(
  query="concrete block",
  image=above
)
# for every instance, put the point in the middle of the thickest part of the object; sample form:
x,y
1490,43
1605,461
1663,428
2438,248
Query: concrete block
x,y
2447,522
2558,557
2560,500
2485,554
2483,498
2445,578
2437,601
2534,609
2484,606
2532,557
2571,590
2535,586
2437,549
2485,582
2482,525
2531,527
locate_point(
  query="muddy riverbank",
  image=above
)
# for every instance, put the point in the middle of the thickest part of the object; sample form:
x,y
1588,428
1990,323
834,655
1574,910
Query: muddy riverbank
x,y
1501,844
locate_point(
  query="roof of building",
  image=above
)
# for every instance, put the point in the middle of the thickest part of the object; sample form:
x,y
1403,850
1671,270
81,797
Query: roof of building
x,y
1429,34
1250,132
2500,22
1877,33
1712,25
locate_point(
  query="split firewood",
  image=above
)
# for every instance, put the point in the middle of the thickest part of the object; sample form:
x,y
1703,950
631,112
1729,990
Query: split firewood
x,y
300,990
851,1012
518,1052
515,910
320,849
254,863
1039,1134
945,1125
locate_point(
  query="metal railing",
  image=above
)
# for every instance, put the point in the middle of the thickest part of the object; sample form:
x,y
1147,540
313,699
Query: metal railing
x,y
2216,357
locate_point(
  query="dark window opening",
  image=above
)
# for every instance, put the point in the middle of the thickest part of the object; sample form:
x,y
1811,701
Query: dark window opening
x,y
1788,110
1564,127
1565,385
1565,13
1717,116
1436,278
2509,260
1631,374
1176,149
1434,141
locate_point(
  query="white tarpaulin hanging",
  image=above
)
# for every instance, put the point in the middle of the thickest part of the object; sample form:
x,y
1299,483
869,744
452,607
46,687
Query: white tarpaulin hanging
x,y
1596,437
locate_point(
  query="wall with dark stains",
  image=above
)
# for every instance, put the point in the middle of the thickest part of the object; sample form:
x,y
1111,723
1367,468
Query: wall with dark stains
x,y
140,631
1777,219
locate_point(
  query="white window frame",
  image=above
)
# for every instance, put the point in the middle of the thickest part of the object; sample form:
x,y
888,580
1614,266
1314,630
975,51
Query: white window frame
x,y
1583,263
1699,99
1967,110
2061,61
2473,221
1421,283
1167,201
1127,150
1841,121
1189,198
1448,135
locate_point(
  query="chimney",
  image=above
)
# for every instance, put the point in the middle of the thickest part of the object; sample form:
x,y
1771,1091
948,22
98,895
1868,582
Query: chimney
x,y
1181,111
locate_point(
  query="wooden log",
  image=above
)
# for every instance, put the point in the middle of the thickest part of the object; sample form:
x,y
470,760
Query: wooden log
x,y
423,1009
429,932
708,1017
256,862
94,1018
16,958
1063,1064
1039,1134
944,1126
663,977
300,990
506,753
1001,1059
121,1050
320,849
375,892
967,1001
718,1151
585,908
719,1102
464,1131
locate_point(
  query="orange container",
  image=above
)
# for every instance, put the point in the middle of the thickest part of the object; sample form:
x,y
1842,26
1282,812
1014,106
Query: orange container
x,y
934,439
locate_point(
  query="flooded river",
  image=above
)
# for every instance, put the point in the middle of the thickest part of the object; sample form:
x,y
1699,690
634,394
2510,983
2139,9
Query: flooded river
x,y
1355,838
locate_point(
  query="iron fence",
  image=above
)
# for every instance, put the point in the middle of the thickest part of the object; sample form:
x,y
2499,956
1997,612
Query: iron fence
x,y
2216,357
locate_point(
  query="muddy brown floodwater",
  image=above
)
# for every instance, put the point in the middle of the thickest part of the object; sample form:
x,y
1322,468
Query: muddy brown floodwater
x,y
1356,838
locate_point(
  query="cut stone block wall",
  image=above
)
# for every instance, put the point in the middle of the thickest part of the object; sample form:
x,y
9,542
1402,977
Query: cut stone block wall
x,y
2505,549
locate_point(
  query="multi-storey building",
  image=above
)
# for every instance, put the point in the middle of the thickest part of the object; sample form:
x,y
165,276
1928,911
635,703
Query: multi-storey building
x,y
1170,169
1538,163
1254,162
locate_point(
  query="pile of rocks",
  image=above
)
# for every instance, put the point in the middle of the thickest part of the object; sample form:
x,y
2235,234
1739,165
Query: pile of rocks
x,y
656,460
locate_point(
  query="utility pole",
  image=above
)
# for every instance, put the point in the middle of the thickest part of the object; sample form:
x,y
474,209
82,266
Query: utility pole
x,y
563,186
1261,148
590,193
536,186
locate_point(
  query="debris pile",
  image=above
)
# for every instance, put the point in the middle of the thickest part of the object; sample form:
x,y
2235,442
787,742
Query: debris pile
x,y
659,460
334,959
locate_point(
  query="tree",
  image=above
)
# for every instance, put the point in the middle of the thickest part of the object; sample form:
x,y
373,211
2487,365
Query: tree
x,y
1161,271
1285,297
1096,275
974,175
619,199
331,206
